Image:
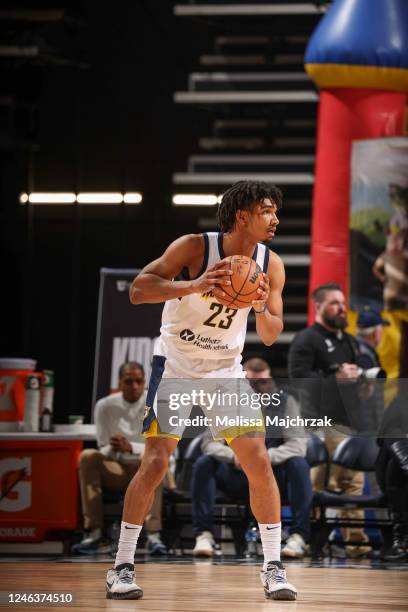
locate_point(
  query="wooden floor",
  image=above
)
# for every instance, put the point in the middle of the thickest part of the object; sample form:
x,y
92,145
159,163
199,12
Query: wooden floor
x,y
211,588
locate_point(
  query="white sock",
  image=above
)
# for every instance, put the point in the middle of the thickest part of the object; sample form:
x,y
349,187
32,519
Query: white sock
x,y
129,535
271,541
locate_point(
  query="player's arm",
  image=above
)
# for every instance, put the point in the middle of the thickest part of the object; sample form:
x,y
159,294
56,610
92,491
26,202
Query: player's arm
x,y
268,307
156,283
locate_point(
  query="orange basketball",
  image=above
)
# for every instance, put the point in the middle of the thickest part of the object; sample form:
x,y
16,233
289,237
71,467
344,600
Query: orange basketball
x,y
245,281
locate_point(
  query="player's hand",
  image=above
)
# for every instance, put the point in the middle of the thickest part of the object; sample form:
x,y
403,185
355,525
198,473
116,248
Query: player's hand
x,y
214,279
348,371
259,305
119,443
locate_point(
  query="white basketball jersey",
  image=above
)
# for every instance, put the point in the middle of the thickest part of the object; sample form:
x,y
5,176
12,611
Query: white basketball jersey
x,y
197,327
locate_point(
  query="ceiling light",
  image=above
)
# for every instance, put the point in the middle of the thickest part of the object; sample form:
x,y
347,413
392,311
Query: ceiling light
x,y
194,199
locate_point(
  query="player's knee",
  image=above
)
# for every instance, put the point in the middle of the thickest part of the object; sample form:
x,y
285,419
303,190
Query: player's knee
x,y
156,463
89,456
260,466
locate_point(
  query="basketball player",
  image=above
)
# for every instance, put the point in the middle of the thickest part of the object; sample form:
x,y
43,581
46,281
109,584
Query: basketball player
x,y
248,219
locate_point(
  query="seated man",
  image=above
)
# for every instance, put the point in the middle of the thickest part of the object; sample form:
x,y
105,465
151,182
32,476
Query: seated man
x,y
392,473
118,419
219,468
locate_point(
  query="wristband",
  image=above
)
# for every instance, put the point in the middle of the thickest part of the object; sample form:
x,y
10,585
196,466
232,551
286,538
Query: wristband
x,y
260,311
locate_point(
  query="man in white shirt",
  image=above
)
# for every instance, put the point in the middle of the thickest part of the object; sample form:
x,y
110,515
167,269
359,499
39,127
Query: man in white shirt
x,y
118,419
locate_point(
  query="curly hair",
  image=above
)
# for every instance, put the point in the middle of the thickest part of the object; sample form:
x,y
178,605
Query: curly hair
x,y
241,196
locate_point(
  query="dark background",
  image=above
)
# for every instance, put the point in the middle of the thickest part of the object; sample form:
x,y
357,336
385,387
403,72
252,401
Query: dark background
x,y
92,110
101,118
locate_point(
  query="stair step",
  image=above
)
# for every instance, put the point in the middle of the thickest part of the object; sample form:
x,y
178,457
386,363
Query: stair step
x,y
241,81
265,44
287,144
233,60
205,163
245,97
248,9
260,127
228,178
292,240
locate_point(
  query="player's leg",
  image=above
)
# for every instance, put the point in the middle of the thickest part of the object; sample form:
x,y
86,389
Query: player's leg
x,y
265,504
120,581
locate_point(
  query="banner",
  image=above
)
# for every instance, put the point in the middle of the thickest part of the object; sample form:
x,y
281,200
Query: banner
x,y
124,332
379,239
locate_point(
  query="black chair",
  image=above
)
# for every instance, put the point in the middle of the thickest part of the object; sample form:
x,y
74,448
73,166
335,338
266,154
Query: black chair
x,y
178,510
316,451
185,472
354,453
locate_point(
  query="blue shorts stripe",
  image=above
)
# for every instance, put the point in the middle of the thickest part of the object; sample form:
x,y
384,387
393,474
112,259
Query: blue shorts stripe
x,y
158,363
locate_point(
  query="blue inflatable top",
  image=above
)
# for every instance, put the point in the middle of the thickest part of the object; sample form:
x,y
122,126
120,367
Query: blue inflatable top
x,y
361,39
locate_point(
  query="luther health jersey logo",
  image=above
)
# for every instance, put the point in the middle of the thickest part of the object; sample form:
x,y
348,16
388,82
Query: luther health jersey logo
x,y
187,335
330,345
203,342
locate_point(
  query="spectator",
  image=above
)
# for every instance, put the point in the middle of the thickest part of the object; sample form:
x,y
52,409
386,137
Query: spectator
x,y
370,326
219,468
392,473
118,419
326,358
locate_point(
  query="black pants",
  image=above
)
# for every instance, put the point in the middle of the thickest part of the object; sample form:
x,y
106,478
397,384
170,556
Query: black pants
x,y
392,479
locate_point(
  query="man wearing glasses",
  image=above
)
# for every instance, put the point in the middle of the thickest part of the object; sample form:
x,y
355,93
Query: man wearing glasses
x,y
118,419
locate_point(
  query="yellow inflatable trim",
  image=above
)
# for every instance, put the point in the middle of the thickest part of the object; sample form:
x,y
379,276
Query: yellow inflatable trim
x,y
363,77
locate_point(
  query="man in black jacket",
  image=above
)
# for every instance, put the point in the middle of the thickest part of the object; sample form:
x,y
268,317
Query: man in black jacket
x,y
326,357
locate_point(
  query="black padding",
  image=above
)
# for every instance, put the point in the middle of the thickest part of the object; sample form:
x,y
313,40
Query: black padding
x,y
316,451
357,453
328,498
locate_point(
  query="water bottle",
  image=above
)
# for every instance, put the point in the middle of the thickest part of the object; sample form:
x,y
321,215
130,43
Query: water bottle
x,y
251,538
32,404
47,400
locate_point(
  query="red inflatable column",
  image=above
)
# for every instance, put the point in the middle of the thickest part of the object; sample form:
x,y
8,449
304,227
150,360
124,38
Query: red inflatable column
x,y
344,115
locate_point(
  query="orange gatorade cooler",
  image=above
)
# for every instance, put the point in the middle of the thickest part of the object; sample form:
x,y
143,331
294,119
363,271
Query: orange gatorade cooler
x,y
13,380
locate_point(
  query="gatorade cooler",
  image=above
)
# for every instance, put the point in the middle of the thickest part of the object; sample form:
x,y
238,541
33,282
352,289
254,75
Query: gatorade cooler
x,y
13,378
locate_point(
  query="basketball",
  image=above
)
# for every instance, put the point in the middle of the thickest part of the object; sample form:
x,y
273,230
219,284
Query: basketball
x,y
245,282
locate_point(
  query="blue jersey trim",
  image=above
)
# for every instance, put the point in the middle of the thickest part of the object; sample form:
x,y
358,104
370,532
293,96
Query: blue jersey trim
x,y
206,254
266,260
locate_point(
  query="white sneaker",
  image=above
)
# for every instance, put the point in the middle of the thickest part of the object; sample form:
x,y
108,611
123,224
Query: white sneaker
x,y
120,583
204,546
275,584
295,547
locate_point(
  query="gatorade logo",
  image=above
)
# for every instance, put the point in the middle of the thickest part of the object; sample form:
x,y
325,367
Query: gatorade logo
x,y
16,490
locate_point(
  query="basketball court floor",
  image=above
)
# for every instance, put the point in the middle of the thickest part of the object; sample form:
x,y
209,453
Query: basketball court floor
x,y
187,585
